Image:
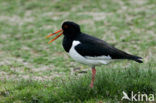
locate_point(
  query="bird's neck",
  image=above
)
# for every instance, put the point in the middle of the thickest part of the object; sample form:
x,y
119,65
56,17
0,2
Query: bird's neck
x,y
67,43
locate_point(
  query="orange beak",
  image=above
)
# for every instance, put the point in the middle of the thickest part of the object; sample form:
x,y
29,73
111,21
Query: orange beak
x,y
54,34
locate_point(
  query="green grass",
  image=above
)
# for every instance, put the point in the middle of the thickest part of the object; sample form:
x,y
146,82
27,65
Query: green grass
x,y
33,71
108,87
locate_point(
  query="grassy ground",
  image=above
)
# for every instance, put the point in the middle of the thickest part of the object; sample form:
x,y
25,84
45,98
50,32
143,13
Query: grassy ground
x,y
33,71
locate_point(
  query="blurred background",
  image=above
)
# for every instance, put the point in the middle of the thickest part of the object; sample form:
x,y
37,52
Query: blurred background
x,y
26,55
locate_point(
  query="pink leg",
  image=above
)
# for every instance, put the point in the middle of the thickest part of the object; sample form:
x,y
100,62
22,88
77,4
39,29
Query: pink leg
x,y
93,77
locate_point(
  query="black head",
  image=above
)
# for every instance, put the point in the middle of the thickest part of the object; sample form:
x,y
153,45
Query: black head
x,y
70,28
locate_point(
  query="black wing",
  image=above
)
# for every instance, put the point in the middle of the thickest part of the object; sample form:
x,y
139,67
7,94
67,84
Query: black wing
x,y
91,46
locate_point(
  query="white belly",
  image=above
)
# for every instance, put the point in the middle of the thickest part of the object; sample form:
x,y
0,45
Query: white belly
x,y
87,60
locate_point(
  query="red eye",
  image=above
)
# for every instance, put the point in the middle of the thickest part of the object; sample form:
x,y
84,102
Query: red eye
x,y
65,26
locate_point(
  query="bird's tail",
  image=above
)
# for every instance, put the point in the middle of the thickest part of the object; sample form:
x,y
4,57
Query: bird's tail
x,y
135,58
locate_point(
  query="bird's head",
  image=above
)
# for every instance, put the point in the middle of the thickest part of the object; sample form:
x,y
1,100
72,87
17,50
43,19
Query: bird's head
x,y
69,29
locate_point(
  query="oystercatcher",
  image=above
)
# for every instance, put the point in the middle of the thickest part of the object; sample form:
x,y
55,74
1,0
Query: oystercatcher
x,y
87,49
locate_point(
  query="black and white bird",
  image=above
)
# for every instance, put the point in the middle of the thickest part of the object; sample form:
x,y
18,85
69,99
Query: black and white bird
x,y
89,50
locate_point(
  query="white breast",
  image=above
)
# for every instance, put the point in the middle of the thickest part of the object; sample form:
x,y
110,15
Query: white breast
x,y
87,60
